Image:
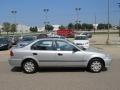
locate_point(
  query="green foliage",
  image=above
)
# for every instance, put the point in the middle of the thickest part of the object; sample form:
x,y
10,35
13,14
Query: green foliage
x,y
77,26
13,28
62,27
6,27
104,26
86,26
70,26
33,29
49,27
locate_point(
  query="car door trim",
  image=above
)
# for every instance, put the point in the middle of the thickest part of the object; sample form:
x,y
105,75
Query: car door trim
x,y
62,61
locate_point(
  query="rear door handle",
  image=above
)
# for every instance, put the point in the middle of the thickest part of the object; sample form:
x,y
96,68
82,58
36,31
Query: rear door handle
x,y
35,54
60,54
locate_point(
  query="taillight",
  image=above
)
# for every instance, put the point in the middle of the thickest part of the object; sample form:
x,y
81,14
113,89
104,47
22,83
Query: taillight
x,y
11,53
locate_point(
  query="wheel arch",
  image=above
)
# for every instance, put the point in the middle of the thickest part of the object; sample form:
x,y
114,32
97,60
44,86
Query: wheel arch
x,y
27,59
98,58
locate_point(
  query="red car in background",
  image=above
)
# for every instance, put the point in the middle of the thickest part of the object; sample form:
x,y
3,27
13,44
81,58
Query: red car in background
x,y
68,33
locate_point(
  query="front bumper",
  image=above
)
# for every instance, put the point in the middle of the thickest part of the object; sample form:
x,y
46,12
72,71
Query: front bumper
x,y
108,62
84,46
3,47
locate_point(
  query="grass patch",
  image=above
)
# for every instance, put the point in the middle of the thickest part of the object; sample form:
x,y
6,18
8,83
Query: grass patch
x,y
105,33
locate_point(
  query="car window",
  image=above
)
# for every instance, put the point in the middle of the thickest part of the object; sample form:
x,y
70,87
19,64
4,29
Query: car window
x,y
3,40
81,38
43,45
64,46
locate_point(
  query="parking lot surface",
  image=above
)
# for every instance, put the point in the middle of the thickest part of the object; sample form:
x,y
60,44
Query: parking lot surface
x,y
61,79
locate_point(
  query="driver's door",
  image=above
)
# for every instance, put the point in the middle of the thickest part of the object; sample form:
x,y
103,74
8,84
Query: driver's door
x,y
66,54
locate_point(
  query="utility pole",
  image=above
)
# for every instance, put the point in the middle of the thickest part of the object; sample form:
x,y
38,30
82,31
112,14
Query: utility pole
x,y
95,25
119,18
46,22
14,12
108,37
77,13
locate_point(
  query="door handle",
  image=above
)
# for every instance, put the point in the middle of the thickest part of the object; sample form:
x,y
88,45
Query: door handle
x,y
35,54
60,54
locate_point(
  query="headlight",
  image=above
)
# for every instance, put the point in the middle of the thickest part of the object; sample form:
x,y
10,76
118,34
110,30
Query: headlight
x,y
2,45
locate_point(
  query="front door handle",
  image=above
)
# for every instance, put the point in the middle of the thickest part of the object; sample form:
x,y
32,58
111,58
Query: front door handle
x,y
35,54
60,54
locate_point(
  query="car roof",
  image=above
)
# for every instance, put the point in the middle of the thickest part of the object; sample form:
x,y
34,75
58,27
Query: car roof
x,y
80,35
3,37
52,39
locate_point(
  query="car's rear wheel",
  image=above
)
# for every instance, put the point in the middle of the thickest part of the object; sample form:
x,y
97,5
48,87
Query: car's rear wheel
x,y
95,65
29,66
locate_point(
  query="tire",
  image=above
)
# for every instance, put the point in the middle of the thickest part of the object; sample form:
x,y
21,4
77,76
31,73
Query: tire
x,y
29,67
95,65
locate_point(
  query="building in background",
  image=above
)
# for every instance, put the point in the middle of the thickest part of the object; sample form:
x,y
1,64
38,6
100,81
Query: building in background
x,y
23,28
26,29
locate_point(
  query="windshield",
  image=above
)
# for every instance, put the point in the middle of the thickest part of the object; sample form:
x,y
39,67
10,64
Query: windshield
x,y
3,40
81,38
28,39
81,48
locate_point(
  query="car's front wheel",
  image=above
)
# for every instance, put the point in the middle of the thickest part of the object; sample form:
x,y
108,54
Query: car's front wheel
x,y
95,65
29,66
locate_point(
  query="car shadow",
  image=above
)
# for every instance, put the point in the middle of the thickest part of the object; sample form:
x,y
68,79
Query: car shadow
x,y
53,69
16,69
61,69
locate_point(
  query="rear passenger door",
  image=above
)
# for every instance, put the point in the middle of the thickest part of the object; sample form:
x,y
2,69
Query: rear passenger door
x,y
44,52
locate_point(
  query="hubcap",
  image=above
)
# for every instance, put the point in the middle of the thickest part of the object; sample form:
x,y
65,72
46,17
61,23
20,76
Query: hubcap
x,y
96,66
29,67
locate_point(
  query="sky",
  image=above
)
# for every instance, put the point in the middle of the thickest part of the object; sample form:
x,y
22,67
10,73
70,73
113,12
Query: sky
x,y
61,12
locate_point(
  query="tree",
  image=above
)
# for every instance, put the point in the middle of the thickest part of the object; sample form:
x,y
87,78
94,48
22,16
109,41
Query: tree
x,y
6,27
104,26
86,26
49,27
101,26
77,26
70,26
61,27
89,26
33,29
13,28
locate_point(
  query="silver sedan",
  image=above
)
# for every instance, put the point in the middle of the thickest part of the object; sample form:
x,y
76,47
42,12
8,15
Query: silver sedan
x,y
51,52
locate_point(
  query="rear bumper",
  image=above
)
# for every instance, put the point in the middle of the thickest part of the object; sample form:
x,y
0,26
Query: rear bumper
x,y
15,62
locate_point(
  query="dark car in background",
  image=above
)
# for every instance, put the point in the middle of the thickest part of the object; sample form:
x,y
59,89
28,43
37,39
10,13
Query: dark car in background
x,y
14,39
88,34
42,36
5,43
25,41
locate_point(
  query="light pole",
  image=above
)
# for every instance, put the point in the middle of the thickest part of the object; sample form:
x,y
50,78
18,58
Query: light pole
x,y
108,37
14,12
119,19
77,13
46,16
95,25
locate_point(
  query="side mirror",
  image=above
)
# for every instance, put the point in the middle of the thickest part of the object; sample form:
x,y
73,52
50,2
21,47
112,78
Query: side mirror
x,y
75,50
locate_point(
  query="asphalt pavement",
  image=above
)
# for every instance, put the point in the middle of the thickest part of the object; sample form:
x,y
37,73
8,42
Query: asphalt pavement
x,y
61,78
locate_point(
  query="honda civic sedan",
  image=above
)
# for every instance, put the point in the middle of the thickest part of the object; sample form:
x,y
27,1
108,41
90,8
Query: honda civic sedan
x,y
52,52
